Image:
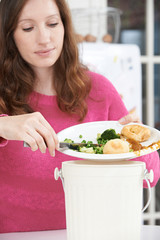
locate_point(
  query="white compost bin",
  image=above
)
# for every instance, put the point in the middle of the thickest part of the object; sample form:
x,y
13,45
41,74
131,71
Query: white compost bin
x,y
103,201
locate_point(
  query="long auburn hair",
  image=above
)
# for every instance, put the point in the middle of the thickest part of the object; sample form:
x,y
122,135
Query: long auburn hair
x,y
17,79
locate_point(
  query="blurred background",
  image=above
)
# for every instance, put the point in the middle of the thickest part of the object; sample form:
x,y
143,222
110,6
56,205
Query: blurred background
x,y
121,40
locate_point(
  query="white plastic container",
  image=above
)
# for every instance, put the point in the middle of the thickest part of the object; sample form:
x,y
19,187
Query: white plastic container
x,y
103,201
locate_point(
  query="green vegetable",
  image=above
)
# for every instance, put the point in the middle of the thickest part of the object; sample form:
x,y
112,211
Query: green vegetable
x,y
68,140
106,136
86,149
98,150
89,144
109,134
101,139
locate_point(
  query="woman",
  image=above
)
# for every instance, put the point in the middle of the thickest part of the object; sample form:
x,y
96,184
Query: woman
x,y
43,89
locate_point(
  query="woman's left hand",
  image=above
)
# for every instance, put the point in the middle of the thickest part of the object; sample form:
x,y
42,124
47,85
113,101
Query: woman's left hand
x,y
130,117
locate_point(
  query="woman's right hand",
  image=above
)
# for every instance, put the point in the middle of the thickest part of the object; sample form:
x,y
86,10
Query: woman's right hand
x,y
31,128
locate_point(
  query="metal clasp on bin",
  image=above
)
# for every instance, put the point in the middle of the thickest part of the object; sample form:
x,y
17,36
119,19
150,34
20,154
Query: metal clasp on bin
x,y
58,174
148,176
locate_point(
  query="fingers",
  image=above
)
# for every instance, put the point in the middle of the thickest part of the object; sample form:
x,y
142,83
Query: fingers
x,y
30,142
31,128
41,135
126,119
47,139
131,117
51,130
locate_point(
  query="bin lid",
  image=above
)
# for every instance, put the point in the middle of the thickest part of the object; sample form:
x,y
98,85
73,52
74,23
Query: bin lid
x,y
95,168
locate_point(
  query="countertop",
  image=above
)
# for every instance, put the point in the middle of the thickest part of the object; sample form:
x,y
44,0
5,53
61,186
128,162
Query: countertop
x,y
148,233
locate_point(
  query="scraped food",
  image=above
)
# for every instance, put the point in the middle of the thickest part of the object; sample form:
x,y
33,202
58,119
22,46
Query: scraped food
x,y
116,146
111,142
136,132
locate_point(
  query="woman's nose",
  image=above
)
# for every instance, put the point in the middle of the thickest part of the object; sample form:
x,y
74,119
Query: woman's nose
x,y
43,35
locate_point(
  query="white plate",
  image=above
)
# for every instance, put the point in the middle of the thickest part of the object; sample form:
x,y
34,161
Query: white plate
x,y
89,132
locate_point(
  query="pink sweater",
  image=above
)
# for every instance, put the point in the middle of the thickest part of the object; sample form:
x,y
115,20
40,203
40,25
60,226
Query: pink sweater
x,y
30,198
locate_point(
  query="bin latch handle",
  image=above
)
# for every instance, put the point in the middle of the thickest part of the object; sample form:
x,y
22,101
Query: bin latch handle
x,y
58,174
148,176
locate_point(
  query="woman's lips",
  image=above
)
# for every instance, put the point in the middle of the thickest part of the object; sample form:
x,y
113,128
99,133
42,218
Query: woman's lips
x,y
45,52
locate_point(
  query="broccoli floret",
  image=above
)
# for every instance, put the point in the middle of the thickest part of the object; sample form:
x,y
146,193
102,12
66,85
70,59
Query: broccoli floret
x,y
101,141
109,134
98,150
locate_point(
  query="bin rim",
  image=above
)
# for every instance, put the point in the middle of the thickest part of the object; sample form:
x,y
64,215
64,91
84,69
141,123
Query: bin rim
x,y
99,164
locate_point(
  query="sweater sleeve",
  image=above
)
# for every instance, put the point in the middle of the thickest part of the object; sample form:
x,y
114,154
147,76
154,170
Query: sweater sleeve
x,y
3,142
102,88
117,108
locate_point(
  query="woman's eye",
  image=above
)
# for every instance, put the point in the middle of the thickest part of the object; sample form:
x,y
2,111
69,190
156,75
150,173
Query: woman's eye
x,y
52,24
28,29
